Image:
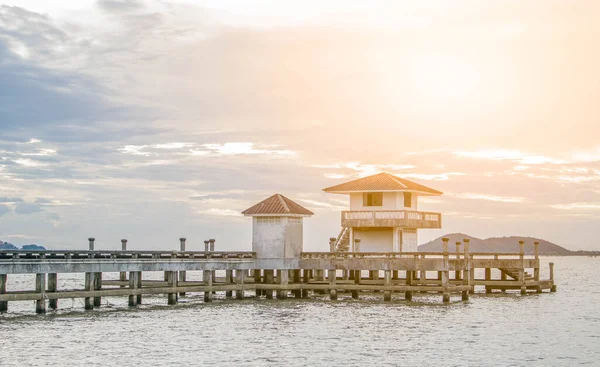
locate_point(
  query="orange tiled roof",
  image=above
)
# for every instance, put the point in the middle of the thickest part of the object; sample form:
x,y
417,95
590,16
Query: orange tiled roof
x,y
277,204
381,182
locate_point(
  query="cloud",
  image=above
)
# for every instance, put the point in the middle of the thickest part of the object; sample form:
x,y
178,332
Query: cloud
x,y
577,206
43,201
219,196
321,204
29,162
10,199
134,149
500,199
336,176
433,176
193,149
222,213
244,149
511,155
54,103
27,208
120,6
4,209
41,153
172,145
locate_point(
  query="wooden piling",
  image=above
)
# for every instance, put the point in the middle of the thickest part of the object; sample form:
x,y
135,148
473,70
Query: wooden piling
x,y
207,277
123,275
182,274
357,276
423,273
305,280
332,244
132,285
466,270
257,280
171,282
52,286
331,274
471,275
319,277
89,285
206,246
269,275
536,270
228,280
97,286
457,272
239,280
296,280
522,268
408,295
96,278
553,286
138,278
488,277
40,287
387,295
373,274
3,304
283,276
446,272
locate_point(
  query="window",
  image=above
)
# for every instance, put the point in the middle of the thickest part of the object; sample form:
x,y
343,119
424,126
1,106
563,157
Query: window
x,y
407,200
271,220
372,199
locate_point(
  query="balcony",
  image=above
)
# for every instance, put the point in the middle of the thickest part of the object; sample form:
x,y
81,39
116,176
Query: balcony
x,y
391,218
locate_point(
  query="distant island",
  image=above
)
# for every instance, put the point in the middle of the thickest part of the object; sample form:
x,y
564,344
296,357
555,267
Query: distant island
x,y
503,244
10,246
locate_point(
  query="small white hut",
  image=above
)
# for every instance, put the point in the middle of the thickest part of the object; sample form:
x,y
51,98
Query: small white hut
x,y
277,227
383,214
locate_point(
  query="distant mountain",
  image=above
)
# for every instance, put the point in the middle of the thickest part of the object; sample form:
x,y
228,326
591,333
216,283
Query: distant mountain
x,y
7,246
33,248
495,244
10,246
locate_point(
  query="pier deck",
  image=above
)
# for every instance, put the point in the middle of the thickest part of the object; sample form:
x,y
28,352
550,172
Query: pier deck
x,y
318,272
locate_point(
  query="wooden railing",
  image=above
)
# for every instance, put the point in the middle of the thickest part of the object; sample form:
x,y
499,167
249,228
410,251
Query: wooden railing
x,y
421,255
391,218
139,255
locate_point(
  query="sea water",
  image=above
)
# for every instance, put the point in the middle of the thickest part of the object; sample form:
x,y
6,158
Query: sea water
x,y
557,329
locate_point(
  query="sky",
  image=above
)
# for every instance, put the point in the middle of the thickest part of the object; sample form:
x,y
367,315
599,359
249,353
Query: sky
x,y
151,120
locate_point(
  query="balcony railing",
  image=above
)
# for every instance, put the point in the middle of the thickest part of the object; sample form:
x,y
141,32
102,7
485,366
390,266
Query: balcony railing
x,y
391,218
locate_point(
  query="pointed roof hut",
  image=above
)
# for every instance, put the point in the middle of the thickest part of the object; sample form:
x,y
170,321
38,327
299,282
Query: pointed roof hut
x,y
277,227
277,205
382,182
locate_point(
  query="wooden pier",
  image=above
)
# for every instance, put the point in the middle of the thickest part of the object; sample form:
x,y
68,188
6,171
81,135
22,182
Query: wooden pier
x,y
354,273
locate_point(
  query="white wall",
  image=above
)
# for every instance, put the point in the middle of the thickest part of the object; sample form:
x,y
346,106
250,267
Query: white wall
x,y
375,240
277,239
409,240
400,201
293,238
391,201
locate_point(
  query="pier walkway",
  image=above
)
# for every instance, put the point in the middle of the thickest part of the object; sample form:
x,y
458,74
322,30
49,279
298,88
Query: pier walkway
x,y
330,273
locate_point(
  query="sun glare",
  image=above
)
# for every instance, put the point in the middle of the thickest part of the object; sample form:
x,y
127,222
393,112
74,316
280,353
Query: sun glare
x,y
440,76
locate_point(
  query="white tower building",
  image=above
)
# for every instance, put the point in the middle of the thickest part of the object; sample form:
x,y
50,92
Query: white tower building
x,y
277,227
383,214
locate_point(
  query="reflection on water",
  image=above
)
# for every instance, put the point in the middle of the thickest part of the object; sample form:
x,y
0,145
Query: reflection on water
x,y
549,329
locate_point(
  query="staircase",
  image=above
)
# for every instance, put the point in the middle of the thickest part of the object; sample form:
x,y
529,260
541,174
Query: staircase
x,y
342,244
514,274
